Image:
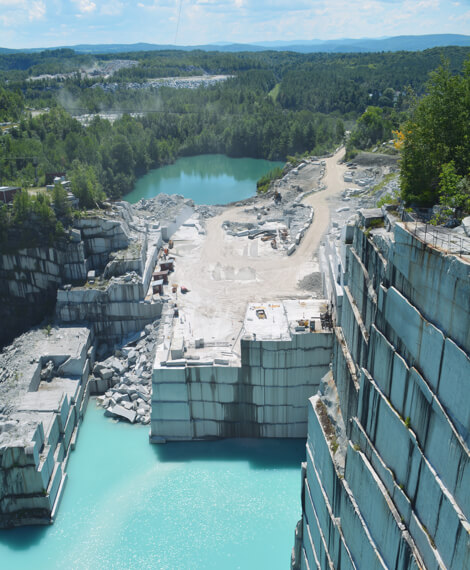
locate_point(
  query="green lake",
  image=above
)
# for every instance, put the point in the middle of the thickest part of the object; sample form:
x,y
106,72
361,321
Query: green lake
x,y
206,179
199,505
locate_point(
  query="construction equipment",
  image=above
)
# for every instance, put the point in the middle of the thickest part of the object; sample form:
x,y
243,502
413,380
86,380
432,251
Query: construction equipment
x,y
326,320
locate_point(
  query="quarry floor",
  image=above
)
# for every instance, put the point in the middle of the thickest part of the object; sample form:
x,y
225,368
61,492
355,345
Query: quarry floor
x,y
224,273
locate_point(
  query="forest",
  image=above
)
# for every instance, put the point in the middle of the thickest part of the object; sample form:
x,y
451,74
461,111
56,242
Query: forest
x,y
272,105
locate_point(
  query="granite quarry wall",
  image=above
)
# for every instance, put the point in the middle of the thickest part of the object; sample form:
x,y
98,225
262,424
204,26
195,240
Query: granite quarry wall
x,y
101,275
120,250
29,280
124,250
392,493
264,397
43,402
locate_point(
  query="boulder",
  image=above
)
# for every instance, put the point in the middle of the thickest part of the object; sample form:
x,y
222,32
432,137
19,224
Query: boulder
x,y
106,373
121,413
121,398
46,372
116,364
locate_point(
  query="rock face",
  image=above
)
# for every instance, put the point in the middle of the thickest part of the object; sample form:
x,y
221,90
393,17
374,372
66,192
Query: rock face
x,y
387,474
29,280
116,308
99,274
44,391
264,396
123,249
101,236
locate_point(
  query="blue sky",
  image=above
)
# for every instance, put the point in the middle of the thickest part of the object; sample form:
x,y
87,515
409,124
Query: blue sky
x,y
45,23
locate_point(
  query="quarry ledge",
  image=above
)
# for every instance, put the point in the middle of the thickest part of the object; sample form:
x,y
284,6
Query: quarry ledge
x,y
257,388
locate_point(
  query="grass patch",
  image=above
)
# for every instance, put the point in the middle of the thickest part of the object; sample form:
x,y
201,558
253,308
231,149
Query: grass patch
x,y
373,224
385,180
275,92
265,181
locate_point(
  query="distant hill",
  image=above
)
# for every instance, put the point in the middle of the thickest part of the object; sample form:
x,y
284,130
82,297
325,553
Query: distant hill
x,y
396,43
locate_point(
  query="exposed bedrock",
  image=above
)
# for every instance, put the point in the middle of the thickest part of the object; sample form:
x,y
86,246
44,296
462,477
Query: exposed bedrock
x,y
394,492
29,280
264,395
99,274
44,391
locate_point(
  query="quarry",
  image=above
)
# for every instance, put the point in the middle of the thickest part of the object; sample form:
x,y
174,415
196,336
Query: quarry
x,y
302,313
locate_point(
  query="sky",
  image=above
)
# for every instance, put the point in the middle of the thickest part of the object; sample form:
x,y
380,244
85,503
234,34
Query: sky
x,y
48,23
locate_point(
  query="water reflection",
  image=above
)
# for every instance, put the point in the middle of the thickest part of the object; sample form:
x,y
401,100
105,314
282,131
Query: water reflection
x,y
206,179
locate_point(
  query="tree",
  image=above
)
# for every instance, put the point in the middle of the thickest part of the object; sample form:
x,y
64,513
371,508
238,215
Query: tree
x,y
437,134
122,155
85,185
372,127
4,223
22,206
60,201
454,190
340,130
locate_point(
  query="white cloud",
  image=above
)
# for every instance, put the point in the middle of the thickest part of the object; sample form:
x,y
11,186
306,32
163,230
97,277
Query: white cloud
x,y
112,8
85,6
16,11
37,10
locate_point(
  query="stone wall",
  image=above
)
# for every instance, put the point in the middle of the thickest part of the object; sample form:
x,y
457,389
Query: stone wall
x,y
41,428
395,493
113,243
265,397
29,280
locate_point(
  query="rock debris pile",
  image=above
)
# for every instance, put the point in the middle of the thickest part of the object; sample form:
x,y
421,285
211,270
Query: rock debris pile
x,y
163,206
128,378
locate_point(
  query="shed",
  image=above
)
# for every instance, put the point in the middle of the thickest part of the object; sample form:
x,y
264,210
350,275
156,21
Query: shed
x,y
161,275
167,265
7,193
157,287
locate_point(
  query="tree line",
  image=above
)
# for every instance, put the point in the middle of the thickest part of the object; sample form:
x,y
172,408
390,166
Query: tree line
x,y
274,105
435,164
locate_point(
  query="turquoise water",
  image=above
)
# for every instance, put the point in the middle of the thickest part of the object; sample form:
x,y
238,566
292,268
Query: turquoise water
x,y
206,179
202,505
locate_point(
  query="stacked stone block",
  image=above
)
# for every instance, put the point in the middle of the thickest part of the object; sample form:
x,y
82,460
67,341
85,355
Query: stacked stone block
x,y
36,437
264,397
401,367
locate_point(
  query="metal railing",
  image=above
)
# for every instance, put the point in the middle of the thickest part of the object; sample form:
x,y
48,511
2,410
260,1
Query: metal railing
x,y
441,238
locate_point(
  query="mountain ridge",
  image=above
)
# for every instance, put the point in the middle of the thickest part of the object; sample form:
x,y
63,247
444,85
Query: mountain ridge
x,y
345,45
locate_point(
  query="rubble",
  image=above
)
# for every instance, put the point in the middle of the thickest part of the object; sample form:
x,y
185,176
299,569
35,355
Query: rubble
x,y
125,378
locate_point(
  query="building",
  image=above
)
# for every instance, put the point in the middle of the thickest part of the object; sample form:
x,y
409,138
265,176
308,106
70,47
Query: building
x,y
7,193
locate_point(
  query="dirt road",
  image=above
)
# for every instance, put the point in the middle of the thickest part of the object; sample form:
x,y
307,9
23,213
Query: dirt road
x,y
224,273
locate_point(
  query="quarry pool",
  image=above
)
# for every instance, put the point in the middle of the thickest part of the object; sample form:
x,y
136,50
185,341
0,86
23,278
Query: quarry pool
x,y
206,179
202,505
